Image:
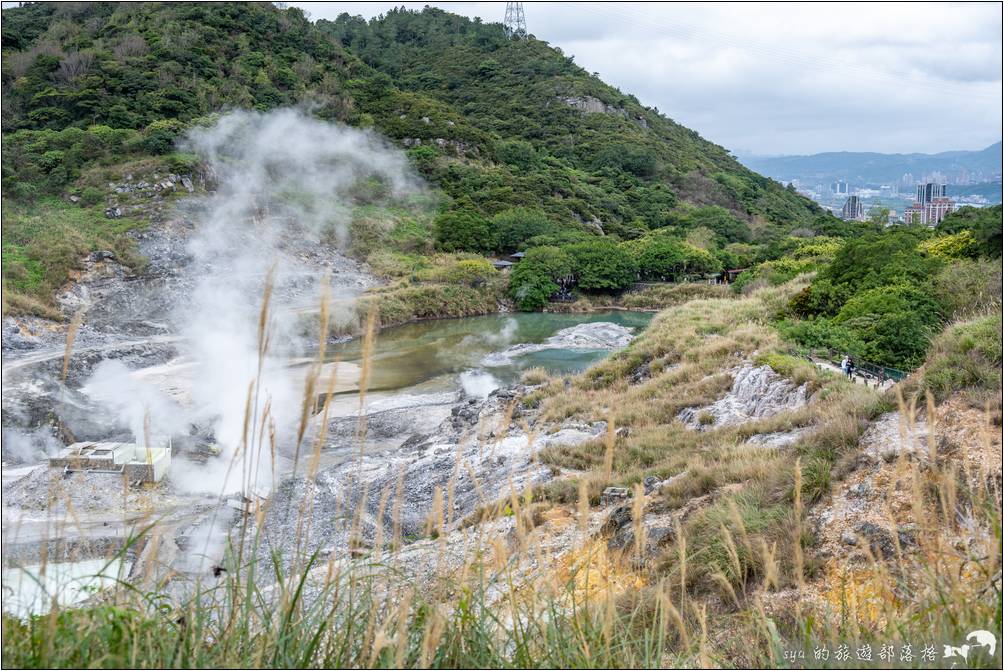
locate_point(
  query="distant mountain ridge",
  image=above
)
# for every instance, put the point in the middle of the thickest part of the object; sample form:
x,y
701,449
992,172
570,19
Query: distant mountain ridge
x,y
873,167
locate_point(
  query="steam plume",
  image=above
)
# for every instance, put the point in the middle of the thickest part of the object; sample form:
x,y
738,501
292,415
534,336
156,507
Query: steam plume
x,y
286,186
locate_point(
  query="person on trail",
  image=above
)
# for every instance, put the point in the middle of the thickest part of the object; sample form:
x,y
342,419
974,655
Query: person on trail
x,y
850,368
845,365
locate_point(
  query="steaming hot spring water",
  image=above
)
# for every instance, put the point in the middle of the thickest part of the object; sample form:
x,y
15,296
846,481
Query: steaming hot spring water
x,y
427,366
479,354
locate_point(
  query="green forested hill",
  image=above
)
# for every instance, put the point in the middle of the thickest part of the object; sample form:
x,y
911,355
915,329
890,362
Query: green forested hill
x,y
625,164
520,115
530,150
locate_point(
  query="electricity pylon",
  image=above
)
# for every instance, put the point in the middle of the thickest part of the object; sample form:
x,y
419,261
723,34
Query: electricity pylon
x,y
515,21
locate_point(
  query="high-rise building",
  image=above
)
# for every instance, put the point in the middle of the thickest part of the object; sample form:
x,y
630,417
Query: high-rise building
x,y
930,213
839,187
929,191
853,209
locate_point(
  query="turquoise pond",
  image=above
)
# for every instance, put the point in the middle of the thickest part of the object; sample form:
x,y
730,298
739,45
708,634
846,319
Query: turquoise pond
x,y
431,354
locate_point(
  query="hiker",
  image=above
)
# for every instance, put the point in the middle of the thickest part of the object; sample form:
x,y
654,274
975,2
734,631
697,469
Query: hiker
x,y
845,365
850,368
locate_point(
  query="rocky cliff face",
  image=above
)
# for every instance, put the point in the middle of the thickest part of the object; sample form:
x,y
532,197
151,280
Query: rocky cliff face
x,y
591,105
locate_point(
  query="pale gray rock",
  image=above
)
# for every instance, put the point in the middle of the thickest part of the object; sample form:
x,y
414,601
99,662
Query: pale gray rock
x,y
757,392
590,336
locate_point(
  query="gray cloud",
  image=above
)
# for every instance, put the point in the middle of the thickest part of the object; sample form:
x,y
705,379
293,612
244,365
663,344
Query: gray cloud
x,y
785,78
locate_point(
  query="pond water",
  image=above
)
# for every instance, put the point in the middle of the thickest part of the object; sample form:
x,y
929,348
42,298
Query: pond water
x,y
29,590
433,355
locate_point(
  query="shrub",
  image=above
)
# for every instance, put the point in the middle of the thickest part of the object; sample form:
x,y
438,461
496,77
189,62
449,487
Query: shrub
x,y
159,136
91,196
819,298
518,153
965,357
660,257
725,226
462,230
961,245
627,157
985,224
895,323
773,273
822,333
602,265
539,276
515,226
471,272
794,368
424,158
878,259
968,287
182,163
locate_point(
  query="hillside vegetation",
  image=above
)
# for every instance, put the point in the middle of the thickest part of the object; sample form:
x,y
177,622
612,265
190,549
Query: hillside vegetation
x,y
527,151
720,564
523,142
713,549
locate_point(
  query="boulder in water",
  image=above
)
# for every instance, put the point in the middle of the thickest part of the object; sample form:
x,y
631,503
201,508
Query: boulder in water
x,y
589,336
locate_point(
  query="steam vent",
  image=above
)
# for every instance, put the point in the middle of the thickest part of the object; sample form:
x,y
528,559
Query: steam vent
x,y
134,462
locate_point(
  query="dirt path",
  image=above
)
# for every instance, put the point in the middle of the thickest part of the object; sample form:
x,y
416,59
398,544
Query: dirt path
x,y
857,378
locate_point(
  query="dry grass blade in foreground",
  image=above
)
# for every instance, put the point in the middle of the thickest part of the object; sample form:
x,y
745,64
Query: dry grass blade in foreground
x,y
741,562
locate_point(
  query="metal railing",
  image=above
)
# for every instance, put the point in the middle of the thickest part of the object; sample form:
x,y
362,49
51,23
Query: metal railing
x,y
865,369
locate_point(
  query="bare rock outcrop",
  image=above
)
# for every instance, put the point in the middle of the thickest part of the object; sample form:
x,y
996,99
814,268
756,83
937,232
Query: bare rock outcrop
x,y
757,392
591,105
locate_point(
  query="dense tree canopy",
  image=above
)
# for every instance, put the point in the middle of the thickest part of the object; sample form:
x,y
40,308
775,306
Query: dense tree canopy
x,y
602,265
984,223
524,150
512,228
497,124
886,293
540,275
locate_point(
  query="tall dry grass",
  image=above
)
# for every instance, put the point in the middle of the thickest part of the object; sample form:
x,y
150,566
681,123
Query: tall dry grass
x,y
734,586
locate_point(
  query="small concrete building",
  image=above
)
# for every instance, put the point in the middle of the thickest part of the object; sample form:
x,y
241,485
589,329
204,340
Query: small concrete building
x,y
134,462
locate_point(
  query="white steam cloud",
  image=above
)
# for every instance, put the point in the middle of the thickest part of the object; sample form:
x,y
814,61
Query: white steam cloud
x,y
150,415
30,446
286,185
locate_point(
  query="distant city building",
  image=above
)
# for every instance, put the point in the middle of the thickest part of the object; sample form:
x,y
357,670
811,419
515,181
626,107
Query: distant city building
x,y
839,187
853,210
935,177
927,192
930,213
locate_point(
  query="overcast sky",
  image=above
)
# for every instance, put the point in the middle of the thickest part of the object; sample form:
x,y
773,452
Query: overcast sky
x,y
783,78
